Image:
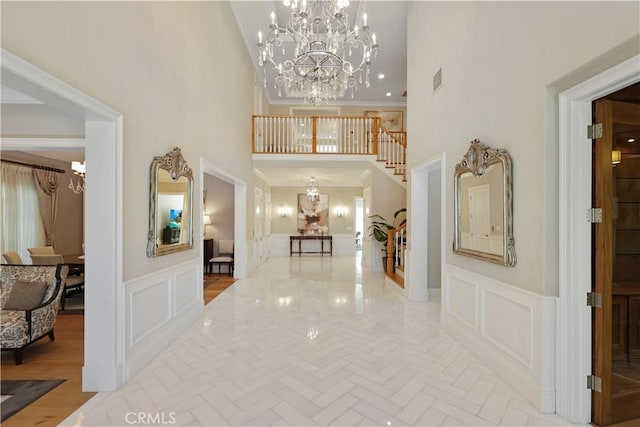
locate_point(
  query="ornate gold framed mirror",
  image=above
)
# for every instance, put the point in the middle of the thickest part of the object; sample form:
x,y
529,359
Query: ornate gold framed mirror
x,y
483,205
170,205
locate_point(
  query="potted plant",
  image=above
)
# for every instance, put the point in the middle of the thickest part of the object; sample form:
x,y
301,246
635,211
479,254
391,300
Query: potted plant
x,y
380,227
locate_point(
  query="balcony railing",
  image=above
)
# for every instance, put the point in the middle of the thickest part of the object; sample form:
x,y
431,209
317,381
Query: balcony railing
x,y
396,247
329,135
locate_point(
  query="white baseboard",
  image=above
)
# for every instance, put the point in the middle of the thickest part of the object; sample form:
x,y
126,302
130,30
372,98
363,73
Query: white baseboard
x,y
434,294
509,329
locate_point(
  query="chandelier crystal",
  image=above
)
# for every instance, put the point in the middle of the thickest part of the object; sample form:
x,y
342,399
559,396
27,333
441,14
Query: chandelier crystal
x,y
313,192
78,169
317,55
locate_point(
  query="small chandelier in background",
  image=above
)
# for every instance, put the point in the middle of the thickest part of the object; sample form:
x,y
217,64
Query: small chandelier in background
x,y
78,169
327,57
313,192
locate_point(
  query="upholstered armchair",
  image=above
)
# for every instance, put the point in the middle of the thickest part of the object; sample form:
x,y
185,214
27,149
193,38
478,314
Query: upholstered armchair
x,y
75,278
29,297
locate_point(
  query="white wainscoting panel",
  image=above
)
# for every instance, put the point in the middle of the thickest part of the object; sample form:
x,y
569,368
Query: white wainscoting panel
x,y
144,321
343,244
187,285
508,324
158,308
510,329
461,301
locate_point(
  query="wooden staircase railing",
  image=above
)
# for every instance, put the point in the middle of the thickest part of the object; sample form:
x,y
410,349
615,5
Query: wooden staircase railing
x,y
396,246
392,149
330,135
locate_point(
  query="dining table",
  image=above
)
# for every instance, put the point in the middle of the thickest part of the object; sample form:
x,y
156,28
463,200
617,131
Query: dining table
x,y
75,263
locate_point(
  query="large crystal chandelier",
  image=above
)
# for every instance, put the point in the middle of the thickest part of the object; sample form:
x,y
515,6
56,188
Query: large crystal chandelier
x,y
317,55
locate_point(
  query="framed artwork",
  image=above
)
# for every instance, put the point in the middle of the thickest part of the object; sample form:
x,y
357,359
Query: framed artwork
x,y
389,120
313,219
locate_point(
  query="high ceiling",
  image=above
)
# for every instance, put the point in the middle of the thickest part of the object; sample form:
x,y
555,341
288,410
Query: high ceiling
x,y
387,19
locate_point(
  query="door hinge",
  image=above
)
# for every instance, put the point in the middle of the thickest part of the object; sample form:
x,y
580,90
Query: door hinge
x,y
594,299
594,215
594,383
594,131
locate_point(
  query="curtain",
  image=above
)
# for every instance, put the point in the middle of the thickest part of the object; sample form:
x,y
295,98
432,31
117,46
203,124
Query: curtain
x,y
21,226
47,189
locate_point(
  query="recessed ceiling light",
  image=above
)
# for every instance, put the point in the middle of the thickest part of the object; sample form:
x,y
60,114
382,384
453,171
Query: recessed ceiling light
x,y
388,93
631,140
381,76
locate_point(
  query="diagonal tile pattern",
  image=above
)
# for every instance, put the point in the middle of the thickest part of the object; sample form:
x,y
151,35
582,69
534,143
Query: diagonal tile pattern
x,y
315,341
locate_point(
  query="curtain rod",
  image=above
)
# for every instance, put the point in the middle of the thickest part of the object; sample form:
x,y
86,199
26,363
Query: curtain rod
x,y
46,168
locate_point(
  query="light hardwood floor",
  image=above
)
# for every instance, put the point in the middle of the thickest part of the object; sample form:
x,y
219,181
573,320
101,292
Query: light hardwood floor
x,y
63,359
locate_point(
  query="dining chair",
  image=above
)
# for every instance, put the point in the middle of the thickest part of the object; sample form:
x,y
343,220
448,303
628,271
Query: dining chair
x,y
42,250
12,258
225,255
72,282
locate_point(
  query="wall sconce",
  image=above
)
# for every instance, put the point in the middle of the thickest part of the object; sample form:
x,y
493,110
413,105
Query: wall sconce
x,y
206,220
616,156
341,211
284,211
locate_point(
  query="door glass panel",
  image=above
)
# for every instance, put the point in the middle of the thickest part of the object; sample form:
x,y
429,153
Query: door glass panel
x,y
626,267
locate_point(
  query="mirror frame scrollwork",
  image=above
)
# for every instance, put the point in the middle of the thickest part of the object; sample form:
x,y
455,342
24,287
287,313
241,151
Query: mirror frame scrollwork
x,y
177,167
477,160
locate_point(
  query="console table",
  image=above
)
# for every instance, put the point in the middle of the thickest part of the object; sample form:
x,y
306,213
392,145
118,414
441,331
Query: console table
x,y
300,251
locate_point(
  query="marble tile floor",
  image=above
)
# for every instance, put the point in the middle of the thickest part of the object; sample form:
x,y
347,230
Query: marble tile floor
x,y
309,341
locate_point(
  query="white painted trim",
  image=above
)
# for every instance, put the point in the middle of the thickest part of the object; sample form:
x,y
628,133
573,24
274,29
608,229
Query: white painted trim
x,y
32,144
520,351
573,354
104,316
417,275
33,81
241,254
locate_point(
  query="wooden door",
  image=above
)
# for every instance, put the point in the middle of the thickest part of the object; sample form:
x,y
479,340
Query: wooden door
x,y
616,266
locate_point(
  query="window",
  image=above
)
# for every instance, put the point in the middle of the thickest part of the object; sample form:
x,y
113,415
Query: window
x,y
21,222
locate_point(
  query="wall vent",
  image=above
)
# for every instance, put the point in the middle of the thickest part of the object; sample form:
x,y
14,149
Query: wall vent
x,y
437,80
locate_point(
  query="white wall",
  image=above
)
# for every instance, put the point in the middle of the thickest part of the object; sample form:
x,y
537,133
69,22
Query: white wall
x,y
503,64
497,61
287,197
159,64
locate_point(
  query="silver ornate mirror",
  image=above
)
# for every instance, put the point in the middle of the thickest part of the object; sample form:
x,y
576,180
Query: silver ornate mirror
x,y
170,205
483,224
